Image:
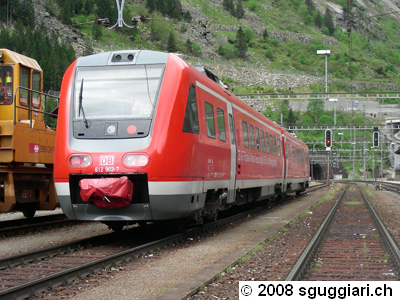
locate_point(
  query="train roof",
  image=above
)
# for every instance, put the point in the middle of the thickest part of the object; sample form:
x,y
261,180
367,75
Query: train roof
x,y
22,59
123,57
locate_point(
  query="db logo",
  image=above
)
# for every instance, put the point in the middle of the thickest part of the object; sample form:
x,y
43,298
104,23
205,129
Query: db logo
x,y
106,160
34,148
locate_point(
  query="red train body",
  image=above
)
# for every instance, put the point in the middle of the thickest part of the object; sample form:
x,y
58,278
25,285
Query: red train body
x,y
189,147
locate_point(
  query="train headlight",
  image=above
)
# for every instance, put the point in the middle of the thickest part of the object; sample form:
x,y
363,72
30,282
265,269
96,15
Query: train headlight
x,y
111,129
135,160
80,161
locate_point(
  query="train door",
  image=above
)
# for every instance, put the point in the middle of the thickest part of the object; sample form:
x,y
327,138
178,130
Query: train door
x,y
25,79
232,180
285,157
306,162
285,162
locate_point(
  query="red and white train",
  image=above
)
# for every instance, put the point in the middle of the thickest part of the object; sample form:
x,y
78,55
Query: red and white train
x,y
144,136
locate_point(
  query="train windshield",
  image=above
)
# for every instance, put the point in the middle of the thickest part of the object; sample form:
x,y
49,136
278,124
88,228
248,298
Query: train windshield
x,y
116,92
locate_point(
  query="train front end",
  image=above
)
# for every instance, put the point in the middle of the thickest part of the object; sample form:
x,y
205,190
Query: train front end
x,y
103,151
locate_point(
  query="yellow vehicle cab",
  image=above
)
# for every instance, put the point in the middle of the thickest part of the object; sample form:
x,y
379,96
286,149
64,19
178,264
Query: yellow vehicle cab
x,y
26,143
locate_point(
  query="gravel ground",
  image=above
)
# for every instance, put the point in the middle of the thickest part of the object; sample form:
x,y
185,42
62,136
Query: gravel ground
x,y
19,215
268,263
46,238
171,273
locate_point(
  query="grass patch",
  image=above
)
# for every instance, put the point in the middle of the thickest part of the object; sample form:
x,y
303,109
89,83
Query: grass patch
x,y
353,203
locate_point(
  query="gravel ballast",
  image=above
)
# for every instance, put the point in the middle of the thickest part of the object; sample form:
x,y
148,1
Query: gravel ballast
x,y
172,273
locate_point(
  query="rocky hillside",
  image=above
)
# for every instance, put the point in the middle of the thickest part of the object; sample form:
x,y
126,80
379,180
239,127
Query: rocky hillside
x,y
212,27
202,27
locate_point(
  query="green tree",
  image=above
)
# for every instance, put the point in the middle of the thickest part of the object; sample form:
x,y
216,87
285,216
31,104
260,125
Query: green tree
x,y
188,46
315,109
269,111
303,12
306,120
192,48
171,46
248,35
150,5
328,22
78,6
66,13
88,7
284,111
292,119
106,9
253,5
325,120
228,50
196,50
310,5
174,9
318,20
265,34
97,31
228,5
24,10
53,57
241,43
239,11
160,6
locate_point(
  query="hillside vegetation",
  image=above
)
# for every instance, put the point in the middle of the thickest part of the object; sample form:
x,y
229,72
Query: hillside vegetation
x,y
279,36
276,35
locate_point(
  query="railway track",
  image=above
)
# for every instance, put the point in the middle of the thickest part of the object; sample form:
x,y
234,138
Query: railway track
x,y
46,266
54,266
384,185
389,186
351,244
33,272
24,226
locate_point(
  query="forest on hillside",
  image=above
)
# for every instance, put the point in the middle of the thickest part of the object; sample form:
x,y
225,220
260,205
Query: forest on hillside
x,y
370,53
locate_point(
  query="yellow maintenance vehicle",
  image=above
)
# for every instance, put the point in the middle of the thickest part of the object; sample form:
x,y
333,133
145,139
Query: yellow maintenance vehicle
x,y
26,143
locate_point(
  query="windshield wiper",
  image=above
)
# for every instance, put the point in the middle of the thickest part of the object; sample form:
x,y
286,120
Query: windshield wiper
x,y
87,123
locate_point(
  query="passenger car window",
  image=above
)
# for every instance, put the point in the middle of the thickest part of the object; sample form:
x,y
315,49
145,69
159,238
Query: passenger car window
x,y
221,124
232,129
191,121
267,142
251,132
279,146
245,135
258,139
275,150
262,141
210,120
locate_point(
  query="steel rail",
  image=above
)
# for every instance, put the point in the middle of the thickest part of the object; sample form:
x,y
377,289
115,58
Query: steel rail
x,y
41,284
385,236
51,281
389,186
308,253
12,228
40,254
24,221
